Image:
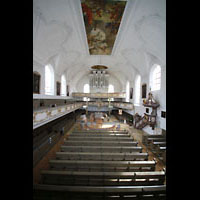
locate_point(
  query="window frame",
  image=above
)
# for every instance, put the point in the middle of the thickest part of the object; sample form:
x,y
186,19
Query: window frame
x,y
86,98
127,91
155,77
52,84
63,84
137,90
112,91
39,86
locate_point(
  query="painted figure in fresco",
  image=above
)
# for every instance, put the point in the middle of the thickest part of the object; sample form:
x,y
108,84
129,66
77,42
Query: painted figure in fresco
x,y
99,12
116,12
107,14
87,12
97,40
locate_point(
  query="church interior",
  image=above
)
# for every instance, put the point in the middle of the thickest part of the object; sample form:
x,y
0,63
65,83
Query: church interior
x,y
99,99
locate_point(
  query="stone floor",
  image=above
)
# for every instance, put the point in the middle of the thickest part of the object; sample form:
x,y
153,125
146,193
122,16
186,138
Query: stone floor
x,y
136,134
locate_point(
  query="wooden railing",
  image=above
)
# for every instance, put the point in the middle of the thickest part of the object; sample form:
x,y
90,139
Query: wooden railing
x,y
128,106
141,122
43,116
122,105
100,95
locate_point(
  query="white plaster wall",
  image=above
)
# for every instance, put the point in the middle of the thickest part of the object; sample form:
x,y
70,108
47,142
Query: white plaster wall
x,y
41,70
80,84
159,96
116,84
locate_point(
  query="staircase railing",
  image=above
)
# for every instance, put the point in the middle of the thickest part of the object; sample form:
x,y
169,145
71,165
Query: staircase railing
x,y
141,122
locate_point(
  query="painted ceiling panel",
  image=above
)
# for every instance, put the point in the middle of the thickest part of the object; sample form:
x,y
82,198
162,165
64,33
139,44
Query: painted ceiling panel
x,y
62,31
102,19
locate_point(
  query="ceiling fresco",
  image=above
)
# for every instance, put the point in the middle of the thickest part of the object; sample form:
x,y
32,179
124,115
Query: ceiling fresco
x,y
102,20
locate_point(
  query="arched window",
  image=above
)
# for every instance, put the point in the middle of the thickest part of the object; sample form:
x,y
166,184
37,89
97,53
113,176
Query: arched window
x,y
137,89
127,91
49,80
111,90
155,77
86,89
63,85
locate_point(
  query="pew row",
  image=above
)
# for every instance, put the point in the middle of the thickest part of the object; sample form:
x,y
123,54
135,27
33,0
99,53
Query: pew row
x,y
80,178
112,149
82,165
101,156
159,149
60,192
146,138
156,140
99,143
162,144
101,131
100,138
99,135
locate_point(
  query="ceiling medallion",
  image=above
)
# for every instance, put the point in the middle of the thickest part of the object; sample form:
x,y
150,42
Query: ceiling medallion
x,y
99,67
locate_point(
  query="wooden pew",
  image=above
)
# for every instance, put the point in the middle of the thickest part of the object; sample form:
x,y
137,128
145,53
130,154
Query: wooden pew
x,y
41,150
161,144
99,143
101,131
61,192
101,156
160,151
99,135
112,149
164,157
79,178
100,138
162,148
82,165
145,138
156,140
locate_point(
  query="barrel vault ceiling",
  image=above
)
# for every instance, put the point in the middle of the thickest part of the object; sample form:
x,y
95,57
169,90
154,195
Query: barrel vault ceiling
x,y
59,37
